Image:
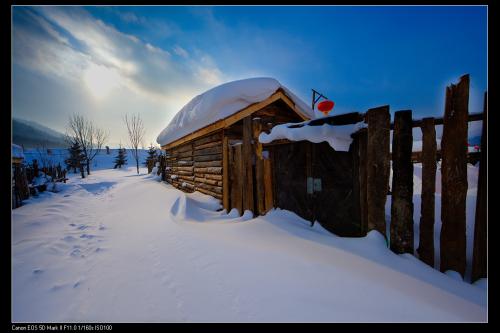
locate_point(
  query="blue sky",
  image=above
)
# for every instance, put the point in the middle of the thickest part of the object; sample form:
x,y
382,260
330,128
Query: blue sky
x,y
104,62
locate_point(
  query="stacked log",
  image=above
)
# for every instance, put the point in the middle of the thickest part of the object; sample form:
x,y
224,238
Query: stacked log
x,y
179,168
197,166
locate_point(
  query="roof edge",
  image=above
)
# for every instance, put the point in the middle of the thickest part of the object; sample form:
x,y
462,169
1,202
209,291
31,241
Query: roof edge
x,y
228,121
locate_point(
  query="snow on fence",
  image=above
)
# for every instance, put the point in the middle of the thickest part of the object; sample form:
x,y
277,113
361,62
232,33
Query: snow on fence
x,y
372,146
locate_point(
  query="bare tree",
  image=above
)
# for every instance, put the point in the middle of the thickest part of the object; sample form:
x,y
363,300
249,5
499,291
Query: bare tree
x,y
43,155
136,133
90,137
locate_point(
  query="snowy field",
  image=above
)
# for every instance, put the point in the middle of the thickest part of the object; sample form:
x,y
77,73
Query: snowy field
x,y
118,247
101,161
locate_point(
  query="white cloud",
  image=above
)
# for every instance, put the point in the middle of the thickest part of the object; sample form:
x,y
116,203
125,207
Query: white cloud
x,y
145,68
181,52
108,63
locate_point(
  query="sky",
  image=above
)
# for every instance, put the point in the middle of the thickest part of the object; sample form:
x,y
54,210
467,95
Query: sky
x,y
104,62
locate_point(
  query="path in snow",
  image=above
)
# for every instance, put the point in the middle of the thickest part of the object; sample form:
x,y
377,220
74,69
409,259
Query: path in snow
x,y
118,247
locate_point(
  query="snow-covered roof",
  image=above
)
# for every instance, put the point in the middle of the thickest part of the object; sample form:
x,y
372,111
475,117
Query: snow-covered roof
x,y
17,151
221,102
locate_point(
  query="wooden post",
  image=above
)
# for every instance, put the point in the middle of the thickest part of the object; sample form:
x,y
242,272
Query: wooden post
x,y
359,177
454,177
268,185
237,179
377,168
259,168
247,156
363,142
479,256
427,209
225,173
402,184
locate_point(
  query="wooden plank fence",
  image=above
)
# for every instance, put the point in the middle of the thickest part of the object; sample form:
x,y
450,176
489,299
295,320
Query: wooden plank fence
x,y
372,170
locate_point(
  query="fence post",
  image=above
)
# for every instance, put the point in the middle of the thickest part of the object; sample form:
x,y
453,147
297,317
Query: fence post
x,y
454,177
359,177
377,168
402,184
427,209
479,256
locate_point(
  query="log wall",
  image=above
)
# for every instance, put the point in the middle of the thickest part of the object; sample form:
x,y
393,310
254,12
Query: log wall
x,y
197,166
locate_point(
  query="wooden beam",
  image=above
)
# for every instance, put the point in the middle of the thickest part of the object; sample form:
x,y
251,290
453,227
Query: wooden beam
x,y
268,185
237,177
358,151
480,251
378,166
427,211
225,173
402,185
247,157
454,177
259,168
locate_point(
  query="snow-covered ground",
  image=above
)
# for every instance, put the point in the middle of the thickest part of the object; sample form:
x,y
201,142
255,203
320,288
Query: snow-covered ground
x,y
121,247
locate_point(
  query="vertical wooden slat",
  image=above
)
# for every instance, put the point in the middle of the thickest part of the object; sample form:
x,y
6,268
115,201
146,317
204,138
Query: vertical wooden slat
x,y
378,164
427,209
247,156
479,254
225,173
402,184
356,202
363,141
259,167
454,177
310,204
268,185
237,180
359,184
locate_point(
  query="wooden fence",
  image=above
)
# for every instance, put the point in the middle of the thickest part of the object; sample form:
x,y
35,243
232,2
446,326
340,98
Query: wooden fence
x,y
373,170
23,175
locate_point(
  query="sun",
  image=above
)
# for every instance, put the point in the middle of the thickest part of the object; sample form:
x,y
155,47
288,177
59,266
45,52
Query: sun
x,y
101,80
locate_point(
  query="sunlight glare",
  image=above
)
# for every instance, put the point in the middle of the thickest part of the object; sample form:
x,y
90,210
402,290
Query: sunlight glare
x,y
101,80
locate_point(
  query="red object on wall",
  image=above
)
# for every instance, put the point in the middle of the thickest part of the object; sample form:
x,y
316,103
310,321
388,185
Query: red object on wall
x,y
326,106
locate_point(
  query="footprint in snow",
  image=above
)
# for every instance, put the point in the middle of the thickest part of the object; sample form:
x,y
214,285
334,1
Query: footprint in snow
x,y
37,271
69,238
87,236
76,253
57,287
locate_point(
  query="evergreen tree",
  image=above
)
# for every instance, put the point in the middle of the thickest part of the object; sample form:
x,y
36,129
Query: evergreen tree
x,y
152,155
121,158
76,158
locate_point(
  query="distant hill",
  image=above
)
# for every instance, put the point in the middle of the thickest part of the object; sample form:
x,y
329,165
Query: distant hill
x,y
31,135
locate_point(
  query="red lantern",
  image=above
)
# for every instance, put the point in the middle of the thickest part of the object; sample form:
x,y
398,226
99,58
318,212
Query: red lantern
x,y
326,107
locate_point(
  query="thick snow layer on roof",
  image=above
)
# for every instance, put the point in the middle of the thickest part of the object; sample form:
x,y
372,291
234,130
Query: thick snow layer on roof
x,y
221,102
338,137
17,151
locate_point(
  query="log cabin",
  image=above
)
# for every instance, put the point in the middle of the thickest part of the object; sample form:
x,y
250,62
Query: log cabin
x,y
212,143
